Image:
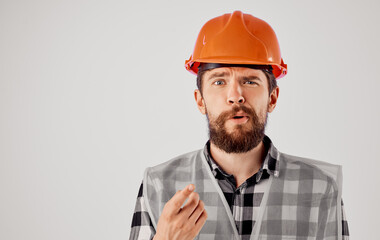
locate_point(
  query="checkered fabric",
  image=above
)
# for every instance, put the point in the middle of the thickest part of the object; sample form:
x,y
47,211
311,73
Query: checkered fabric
x,y
303,204
164,180
244,201
279,220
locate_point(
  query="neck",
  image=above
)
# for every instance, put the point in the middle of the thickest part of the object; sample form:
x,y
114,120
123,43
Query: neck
x,y
240,165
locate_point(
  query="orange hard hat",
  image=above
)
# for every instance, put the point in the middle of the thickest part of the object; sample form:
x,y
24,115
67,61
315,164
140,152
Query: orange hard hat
x,y
240,39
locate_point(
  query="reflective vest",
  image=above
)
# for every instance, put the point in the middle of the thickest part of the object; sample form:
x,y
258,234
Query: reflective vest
x,y
302,202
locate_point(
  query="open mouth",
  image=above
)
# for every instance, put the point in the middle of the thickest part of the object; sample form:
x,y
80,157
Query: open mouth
x,y
239,119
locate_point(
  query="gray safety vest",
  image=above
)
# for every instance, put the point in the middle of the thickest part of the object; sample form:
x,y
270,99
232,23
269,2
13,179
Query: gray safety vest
x,y
302,202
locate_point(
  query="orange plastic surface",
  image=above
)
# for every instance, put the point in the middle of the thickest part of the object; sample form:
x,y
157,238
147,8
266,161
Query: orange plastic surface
x,y
237,38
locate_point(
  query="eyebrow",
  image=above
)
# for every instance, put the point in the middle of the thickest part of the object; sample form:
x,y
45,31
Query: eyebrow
x,y
216,75
250,78
224,74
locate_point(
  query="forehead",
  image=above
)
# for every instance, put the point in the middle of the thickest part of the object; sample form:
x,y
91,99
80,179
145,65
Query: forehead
x,y
234,72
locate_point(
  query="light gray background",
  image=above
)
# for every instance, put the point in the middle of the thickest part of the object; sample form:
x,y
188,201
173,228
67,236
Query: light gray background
x,y
92,92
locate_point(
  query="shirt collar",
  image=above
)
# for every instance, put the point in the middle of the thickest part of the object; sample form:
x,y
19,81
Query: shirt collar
x,y
270,164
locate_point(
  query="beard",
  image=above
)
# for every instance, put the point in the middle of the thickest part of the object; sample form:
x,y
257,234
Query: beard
x,y
243,137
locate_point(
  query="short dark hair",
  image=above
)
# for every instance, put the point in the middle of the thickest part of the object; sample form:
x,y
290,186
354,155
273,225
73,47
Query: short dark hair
x,y
272,82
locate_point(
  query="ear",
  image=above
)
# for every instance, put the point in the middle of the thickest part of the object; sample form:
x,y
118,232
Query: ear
x,y
273,99
200,102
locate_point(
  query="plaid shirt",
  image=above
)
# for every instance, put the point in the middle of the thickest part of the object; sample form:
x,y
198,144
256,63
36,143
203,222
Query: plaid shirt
x,y
244,201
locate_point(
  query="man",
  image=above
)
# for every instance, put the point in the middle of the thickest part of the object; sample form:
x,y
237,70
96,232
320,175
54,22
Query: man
x,y
239,186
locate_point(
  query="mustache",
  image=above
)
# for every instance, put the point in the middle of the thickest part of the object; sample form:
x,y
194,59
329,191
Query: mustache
x,y
235,109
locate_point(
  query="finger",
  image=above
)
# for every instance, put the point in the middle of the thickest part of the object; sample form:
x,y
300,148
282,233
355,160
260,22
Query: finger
x,y
197,212
176,202
190,205
200,222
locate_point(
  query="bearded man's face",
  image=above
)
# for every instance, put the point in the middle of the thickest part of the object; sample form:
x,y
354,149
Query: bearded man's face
x,y
236,102
248,130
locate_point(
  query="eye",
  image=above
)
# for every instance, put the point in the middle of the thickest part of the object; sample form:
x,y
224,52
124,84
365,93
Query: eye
x,y
218,82
250,82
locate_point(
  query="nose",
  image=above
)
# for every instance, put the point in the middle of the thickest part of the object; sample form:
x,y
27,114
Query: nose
x,y
235,94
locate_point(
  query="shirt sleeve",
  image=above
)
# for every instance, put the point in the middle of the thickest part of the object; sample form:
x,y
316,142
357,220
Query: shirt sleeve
x,y
142,227
345,231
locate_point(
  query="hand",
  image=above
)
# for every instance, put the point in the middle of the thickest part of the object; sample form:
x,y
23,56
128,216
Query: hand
x,y
181,223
